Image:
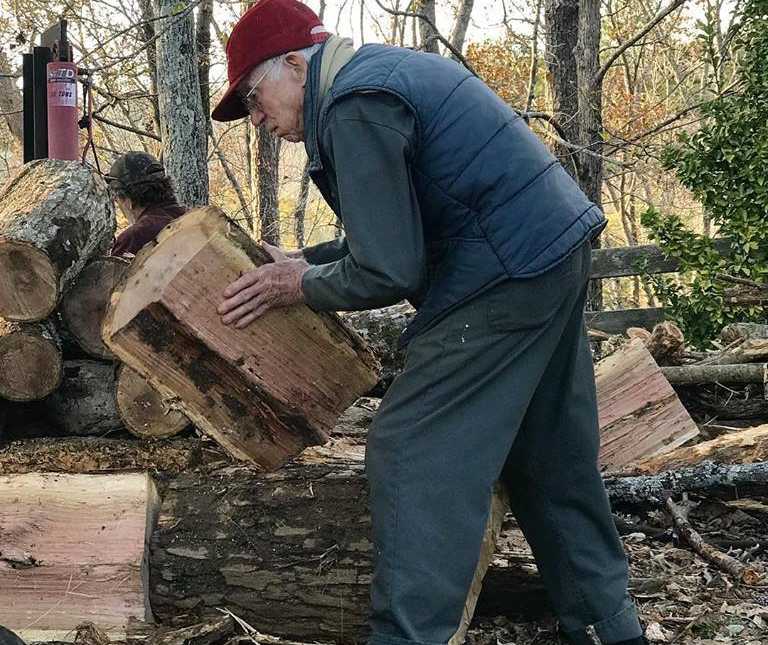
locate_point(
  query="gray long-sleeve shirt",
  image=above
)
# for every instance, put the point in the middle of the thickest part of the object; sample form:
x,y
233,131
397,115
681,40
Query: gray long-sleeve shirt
x,y
368,145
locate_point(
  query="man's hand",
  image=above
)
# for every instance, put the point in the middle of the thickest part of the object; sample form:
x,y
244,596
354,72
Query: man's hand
x,y
271,285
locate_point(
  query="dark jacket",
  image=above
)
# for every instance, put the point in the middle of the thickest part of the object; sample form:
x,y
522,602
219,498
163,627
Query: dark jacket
x,y
494,203
153,220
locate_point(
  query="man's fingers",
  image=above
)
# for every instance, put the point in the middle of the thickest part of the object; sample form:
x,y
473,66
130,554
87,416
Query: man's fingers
x,y
277,253
247,307
243,282
239,298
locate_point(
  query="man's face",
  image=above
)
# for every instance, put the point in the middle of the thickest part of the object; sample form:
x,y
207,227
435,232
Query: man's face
x,y
279,104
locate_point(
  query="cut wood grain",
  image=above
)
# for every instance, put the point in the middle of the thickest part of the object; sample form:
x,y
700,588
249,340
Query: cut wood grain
x,y
73,549
30,360
264,392
54,216
639,412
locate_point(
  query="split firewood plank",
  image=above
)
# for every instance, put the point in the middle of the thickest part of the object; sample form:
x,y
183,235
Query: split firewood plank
x,y
85,402
289,551
745,446
73,549
82,309
264,392
639,412
54,216
143,409
30,360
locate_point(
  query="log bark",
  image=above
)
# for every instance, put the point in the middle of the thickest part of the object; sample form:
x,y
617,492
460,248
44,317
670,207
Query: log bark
x,y
264,392
54,216
743,331
73,549
30,360
85,402
83,306
749,350
729,481
142,408
639,412
289,552
695,374
79,455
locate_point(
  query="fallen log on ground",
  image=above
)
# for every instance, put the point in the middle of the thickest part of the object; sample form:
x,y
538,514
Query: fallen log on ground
x,y
84,305
743,331
695,374
72,549
85,402
289,552
143,410
54,216
750,350
638,411
728,481
745,446
30,360
250,389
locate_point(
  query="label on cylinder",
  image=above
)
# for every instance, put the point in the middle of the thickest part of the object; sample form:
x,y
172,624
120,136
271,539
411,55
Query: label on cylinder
x,y
62,86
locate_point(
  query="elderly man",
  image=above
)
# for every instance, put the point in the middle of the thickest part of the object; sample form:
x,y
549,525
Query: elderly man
x,y
450,201
145,194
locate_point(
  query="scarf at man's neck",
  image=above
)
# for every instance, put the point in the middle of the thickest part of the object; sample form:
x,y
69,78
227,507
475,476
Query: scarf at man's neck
x,y
336,53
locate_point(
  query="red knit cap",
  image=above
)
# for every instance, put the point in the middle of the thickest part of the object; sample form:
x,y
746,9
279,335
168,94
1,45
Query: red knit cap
x,y
266,30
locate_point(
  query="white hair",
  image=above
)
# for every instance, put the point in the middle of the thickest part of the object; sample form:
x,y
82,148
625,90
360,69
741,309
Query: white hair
x,y
273,67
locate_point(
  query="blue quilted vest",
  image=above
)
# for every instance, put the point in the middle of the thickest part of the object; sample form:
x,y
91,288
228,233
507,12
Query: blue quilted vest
x,y
495,203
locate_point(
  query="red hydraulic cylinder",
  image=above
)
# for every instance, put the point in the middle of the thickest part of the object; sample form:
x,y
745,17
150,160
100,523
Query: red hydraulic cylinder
x,y
63,129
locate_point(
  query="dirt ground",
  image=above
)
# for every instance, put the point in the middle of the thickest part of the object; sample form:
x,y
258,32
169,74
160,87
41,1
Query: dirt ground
x,y
681,597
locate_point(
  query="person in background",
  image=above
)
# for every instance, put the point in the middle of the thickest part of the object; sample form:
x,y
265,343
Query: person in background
x,y
145,194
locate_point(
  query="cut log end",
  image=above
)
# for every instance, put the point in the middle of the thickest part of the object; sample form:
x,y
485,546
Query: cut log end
x,y
143,409
84,306
30,367
28,282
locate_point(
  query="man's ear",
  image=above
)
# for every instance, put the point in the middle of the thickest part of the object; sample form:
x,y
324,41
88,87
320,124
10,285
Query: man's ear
x,y
298,66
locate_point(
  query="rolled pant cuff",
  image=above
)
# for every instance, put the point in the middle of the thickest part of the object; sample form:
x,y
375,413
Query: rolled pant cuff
x,y
383,639
622,626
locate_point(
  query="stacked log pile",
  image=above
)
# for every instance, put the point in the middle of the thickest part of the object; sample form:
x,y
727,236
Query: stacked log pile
x,y
227,530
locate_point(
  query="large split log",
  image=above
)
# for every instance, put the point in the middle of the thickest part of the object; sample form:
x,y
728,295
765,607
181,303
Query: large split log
x,y
54,216
85,402
746,447
82,309
143,409
72,549
289,552
264,392
639,412
30,360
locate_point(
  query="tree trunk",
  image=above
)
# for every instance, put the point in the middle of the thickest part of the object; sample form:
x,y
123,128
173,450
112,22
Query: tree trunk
x,y
10,100
427,34
561,20
85,403
73,548
143,409
268,169
288,552
30,360
300,212
147,36
459,31
185,139
203,40
247,388
54,216
82,309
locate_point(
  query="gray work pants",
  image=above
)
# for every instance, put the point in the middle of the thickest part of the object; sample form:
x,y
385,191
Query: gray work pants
x,y
501,389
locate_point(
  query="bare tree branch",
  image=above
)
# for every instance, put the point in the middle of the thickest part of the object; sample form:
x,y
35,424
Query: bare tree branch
x,y
127,128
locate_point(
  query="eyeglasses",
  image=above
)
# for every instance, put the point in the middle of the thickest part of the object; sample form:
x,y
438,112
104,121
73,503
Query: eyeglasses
x,y
246,99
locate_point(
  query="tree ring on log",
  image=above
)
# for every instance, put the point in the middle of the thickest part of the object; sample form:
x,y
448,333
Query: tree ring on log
x,y
29,283
21,356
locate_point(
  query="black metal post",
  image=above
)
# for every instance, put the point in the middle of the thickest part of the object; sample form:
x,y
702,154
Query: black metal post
x,y
41,58
28,121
